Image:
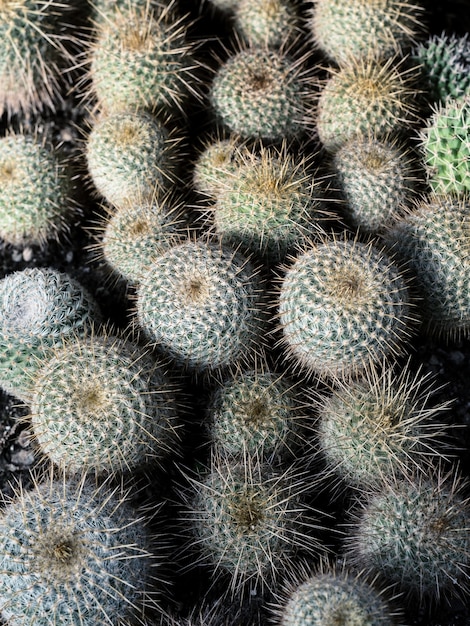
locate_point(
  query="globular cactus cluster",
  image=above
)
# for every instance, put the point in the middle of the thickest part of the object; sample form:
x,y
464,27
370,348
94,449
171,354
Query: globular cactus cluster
x,y
266,209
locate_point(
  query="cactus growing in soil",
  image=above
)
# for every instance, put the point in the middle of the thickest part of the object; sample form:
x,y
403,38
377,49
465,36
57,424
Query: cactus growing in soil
x,y
343,305
131,157
433,240
36,191
262,93
39,308
446,147
73,554
103,404
366,97
355,29
414,534
203,304
267,22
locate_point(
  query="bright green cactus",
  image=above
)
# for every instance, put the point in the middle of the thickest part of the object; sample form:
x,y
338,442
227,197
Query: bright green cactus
x,y
444,62
103,404
414,533
261,93
365,97
267,22
72,554
379,426
376,179
433,240
36,191
39,309
446,147
269,203
343,305
357,28
131,158
204,306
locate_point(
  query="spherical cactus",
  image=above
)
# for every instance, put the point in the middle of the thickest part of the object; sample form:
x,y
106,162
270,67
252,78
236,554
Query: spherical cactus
x,y
379,427
269,203
131,158
376,179
359,28
103,404
414,534
250,521
261,93
365,98
217,160
258,413
33,57
141,60
39,308
75,555
36,191
333,597
446,147
433,240
444,62
203,304
342,305
267,22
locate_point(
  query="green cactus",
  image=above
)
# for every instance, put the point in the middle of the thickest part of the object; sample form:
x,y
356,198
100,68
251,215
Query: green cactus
x,y
267,22
365,97
446,147
142,60
270,202
250,520
39,309
217,160
414,534
258,413
102,405
131,158
262,93
379,426
444,62
358,28
342,305
36,191
72,554
433,240
376,179
203,304
34,55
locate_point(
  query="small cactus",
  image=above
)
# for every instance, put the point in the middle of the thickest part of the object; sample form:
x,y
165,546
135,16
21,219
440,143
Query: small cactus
x,y
215,161
343,305
358,28
267,22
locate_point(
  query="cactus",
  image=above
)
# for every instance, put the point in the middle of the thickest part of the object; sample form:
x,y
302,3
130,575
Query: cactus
x,y
34,55
261,93
141,60
379,427
433,240
75,555
365,97
445,66
250,521
36,191
259,413
39,308
218,159
267,22
131,158
376,179
414,534
342,305
358,28
203,305
446,147
103,404
269,203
